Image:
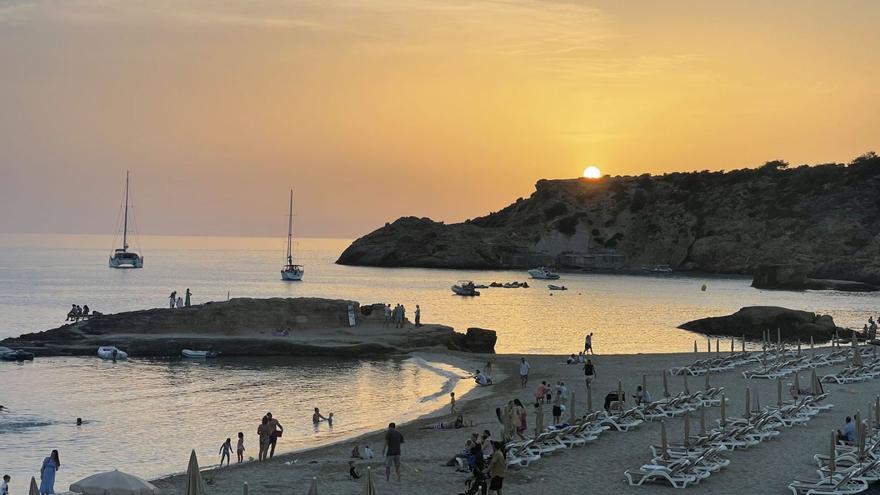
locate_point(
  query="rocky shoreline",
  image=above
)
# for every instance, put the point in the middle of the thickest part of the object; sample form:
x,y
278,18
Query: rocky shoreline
x,y
251,327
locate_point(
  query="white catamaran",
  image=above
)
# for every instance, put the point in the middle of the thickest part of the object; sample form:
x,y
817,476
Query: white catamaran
x,y
291,271
123,258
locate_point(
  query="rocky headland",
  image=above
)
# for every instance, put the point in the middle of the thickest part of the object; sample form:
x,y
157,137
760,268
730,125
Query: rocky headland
x,y
751,322
825,217
251,327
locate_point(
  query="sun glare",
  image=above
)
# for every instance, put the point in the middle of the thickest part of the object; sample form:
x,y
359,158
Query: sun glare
x,y
592,172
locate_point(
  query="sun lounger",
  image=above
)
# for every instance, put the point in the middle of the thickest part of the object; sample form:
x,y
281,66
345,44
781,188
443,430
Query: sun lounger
x,y
828,486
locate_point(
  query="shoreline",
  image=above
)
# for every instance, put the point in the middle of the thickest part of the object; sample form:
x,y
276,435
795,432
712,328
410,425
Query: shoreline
x,y
764,469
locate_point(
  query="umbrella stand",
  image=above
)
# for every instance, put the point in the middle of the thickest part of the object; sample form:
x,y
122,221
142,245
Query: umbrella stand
x,y
589,399
723,411
665,386
664,445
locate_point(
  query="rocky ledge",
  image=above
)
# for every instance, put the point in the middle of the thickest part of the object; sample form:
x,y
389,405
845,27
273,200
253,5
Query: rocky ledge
x,y
251,327
751,322
792,276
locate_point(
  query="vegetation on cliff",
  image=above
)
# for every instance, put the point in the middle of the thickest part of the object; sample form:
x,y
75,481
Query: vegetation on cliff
x,y
826,216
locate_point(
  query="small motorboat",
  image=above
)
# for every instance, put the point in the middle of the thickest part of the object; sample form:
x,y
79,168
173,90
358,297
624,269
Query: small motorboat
x,y
7,354
465,288
657,269
191,354
557,287
543,273
111,353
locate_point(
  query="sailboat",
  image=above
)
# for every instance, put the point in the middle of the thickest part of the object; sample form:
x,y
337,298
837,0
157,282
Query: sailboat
x,y
123,258
291,271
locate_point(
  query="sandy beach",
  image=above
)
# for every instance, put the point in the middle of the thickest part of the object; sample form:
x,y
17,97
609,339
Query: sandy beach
x,y
596,468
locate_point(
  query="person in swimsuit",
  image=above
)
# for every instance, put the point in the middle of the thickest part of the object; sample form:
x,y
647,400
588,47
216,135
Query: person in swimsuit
x,y
275,431
263,433
226,452
239,449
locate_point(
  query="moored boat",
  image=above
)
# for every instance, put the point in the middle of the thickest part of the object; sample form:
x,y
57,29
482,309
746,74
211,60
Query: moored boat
x,y
291,271
122,257
465,288
557,287
7,354
189,353
110,352
543,273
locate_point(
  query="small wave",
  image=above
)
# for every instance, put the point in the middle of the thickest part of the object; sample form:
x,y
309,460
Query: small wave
x,y
15,426
452,378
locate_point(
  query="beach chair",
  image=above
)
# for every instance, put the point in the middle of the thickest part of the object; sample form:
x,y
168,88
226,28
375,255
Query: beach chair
x,y
520,454
679,474
866,471
845,485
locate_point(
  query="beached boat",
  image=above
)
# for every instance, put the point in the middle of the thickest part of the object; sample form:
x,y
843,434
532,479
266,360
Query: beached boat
x,y
465,288
557,287
122,257
291,271
657,269
191,354
543,273
110,352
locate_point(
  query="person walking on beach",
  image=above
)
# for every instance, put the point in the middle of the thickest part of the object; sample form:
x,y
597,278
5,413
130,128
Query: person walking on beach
x,y
488,369
226,452
239,449
522,419
540,392
51,465
172,299
452,403
391,450
263,434
589,373
188,294
275,431
418,316
524,368
497,468
588,344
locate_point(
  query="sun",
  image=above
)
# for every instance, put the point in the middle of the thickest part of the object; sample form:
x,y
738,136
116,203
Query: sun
x,y
592,172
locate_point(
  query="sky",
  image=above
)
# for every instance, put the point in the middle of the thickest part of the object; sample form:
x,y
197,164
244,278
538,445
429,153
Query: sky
x,y
372,110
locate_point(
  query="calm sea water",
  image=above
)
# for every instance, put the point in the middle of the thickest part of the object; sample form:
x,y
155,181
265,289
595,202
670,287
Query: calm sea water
x,y
144,415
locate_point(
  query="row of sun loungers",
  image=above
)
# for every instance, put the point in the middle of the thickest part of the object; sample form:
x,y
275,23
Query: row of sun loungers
x,y
855,374
587,431
682,404
853,471
684,464
715,364
783,368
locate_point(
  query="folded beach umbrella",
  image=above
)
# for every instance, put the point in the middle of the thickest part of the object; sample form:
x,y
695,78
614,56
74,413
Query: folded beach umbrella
x,y
664,445
812,346
799,347
313,488
702,421
687,429
757,401
832,457
695,345
687,390
815,384
620,393
571,409
707,380
539,419
877,411
723,411
33,488
857,354
860,429
779,393
194,483
644,385
797,385
665,385
748,403
114,483
369,484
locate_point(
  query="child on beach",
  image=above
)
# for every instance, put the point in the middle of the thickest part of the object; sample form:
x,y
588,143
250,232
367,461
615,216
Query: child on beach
x,y
452,403
226,451
239,449
4,487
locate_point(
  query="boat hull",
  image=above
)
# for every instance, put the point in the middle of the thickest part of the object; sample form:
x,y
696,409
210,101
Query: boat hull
x,y
106,352
292,275
127,261
191,354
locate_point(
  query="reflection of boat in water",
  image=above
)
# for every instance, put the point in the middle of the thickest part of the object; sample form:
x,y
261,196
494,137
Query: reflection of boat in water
x,y
189,353
465,288
543,273
557,287
657,269
123,258
111,352
7,354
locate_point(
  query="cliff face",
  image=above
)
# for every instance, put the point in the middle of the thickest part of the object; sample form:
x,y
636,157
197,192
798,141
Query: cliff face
x,y
826,217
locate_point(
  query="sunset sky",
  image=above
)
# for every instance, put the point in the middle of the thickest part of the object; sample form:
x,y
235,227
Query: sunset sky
x,y
372,110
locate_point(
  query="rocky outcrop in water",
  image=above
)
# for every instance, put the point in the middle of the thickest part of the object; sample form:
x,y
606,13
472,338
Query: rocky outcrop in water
x,y
753,321
825,217
251,327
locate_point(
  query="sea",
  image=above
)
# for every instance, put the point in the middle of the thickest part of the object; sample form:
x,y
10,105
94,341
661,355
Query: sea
x,y
143,416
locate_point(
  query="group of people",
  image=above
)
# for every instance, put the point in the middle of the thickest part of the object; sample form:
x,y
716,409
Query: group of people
x,y
397,316
269,431
870,329
580,358
484,458
78,312
226,450
175,301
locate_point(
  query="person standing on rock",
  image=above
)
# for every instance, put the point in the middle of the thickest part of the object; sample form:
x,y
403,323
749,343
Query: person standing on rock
x,y
387,310
402,316
172,299
418,316
188,294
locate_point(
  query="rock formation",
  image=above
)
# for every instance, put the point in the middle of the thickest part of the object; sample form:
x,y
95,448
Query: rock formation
x,y
824,217
251,327
753,321
791,276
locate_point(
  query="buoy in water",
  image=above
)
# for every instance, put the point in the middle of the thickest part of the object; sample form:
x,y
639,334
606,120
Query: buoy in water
x,y
703,288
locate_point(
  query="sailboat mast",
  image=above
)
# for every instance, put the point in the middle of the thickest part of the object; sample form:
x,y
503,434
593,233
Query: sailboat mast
x,y
125,222
290,229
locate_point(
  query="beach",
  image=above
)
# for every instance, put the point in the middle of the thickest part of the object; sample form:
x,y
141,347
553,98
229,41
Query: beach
x,y
596,468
